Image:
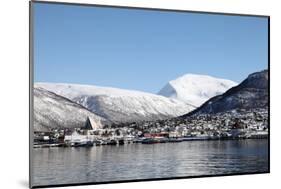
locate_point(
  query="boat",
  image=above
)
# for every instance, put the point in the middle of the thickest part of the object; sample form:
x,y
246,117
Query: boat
x,y
112,142
175,140
82,143
138,140
162,139
121,142
149,141
189,138
198,137
97,142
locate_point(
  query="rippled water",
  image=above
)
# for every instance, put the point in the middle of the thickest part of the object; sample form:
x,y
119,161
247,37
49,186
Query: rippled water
x,y
140,161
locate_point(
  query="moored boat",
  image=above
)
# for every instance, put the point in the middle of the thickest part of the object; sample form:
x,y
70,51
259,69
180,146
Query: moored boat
x,y
175,140
149,141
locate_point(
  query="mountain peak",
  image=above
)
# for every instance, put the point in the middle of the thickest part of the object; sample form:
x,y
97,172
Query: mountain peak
x,y
195,89
257,80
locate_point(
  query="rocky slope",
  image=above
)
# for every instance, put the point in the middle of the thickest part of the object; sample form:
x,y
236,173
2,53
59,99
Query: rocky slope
x,y
54,111
252,93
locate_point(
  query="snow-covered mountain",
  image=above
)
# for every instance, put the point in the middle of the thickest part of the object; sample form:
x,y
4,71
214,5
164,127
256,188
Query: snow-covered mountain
x,y
250,94
195,89
119,105
54,111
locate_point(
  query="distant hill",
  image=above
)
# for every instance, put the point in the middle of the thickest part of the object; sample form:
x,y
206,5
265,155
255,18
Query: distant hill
x,y
250,94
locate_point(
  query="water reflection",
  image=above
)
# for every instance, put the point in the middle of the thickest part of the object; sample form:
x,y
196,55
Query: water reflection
x,y
138,161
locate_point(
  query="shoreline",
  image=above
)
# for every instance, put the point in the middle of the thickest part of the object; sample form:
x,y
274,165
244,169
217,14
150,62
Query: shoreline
x,y
147,141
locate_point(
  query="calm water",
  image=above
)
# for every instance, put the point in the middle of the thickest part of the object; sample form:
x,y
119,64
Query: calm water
x,y
139,161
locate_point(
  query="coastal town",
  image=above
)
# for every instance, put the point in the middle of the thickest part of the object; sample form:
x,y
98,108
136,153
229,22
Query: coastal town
x,y
236,124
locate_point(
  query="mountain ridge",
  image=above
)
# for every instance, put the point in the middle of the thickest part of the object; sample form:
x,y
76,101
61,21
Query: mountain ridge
x,y
120,105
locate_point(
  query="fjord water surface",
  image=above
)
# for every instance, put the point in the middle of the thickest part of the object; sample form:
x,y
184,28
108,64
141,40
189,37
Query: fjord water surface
x,y
140,161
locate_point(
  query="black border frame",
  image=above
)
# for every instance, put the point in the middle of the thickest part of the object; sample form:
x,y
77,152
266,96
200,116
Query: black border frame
x,y
31,84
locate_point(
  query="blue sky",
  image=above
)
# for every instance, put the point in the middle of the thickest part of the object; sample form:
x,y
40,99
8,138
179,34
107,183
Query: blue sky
x,y
141,49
